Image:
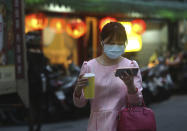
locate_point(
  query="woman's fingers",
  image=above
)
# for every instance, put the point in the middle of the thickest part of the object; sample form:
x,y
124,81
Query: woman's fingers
x,y
81,76
131,72
126,77
126,74
121,77
82,82
83,79
82,85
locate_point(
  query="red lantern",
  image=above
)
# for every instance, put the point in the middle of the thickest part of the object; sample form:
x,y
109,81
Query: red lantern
x,y
76,28
36,21
58,25
139,26
106,20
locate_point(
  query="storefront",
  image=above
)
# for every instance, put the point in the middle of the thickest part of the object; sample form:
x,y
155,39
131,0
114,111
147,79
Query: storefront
x,y
149,28
65,36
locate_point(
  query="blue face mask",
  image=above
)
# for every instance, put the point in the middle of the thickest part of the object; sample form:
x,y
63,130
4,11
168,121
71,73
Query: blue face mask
x,y
114,51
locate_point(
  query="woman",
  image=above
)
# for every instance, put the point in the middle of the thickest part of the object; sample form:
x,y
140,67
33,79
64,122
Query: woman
x,y
111,93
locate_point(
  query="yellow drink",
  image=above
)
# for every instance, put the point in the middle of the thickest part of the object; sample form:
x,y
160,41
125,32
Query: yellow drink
x,y
89,90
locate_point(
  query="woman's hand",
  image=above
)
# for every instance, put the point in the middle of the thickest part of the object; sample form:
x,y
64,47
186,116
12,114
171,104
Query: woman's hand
x,y
81,83
129,81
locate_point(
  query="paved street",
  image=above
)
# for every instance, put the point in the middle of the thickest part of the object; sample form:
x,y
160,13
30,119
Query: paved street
x,y
171,115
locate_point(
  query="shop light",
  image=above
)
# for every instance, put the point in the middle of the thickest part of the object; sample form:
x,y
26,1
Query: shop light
x,y
57,24
35,22
106,20
76,28
134,39
134,43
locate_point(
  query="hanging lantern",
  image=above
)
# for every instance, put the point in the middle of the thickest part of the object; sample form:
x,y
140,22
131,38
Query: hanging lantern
x,y
57,24
106,20
76,28
138,26
36,22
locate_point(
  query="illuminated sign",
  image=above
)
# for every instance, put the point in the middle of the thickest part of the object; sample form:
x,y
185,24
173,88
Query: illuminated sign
x,y
134,39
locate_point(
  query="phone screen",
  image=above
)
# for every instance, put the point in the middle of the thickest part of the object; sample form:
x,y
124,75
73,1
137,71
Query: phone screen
x,y
130,71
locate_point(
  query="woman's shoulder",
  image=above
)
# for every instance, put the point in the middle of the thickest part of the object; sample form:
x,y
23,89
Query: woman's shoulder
x,y
89,62
129,62
88,65
126,60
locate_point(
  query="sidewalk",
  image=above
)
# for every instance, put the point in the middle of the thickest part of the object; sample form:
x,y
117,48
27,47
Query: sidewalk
x,y
171,115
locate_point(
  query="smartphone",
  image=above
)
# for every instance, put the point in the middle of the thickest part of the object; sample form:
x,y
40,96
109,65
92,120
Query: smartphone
x,y
130,70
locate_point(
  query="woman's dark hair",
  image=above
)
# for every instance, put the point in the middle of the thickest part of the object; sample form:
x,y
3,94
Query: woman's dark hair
x,y
114,30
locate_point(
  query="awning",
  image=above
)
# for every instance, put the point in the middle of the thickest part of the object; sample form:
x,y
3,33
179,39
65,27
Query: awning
x,y
148,8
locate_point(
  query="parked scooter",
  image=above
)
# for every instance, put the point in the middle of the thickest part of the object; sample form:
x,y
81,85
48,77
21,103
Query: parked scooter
x,y
157,83
147,93
60,90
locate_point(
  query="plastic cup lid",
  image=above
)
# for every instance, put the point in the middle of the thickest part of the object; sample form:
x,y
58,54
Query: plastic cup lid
x,y
89,75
